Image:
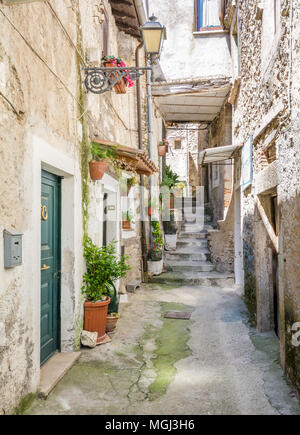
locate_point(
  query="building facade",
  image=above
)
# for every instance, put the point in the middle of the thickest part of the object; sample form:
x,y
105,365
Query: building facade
x,y
265,101
48,122
251,159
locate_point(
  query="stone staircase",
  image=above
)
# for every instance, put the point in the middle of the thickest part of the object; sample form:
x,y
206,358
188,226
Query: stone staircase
x,y
191,259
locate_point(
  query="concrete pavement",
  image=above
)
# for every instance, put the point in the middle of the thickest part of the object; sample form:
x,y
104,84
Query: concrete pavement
x,y
214,363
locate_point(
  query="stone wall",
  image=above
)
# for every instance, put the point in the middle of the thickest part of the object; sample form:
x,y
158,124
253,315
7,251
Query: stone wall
x,y
47,122
221,243
220,134
179,18
38,105
267,106
184,161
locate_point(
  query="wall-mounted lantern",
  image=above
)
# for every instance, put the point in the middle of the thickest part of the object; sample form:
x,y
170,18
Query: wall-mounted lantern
x,y
100,80
154,35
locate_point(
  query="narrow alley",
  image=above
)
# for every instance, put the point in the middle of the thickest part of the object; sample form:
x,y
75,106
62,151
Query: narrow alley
x,y
149,208
214,363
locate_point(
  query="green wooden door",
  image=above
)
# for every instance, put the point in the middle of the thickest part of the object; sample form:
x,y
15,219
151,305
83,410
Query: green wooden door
x,y
50,265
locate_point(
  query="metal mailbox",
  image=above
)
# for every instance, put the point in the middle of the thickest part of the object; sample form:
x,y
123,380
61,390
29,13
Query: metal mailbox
x,y
12,249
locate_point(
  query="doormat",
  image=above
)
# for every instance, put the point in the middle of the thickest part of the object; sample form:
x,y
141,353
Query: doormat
x,y
182,315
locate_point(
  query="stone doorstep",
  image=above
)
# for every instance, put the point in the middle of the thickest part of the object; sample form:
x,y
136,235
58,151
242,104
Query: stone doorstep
x,y
54,370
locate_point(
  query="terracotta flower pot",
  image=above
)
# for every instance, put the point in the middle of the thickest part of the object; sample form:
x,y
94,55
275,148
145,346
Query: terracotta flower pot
x,y
162,149
111,323
97,169
150,211
126,225
156,255
172,201
95,314
120,86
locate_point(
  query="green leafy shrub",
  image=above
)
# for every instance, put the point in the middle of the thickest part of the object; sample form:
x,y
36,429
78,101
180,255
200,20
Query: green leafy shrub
x,y
131,181
101,153
158,240
127,215
103,267
170,178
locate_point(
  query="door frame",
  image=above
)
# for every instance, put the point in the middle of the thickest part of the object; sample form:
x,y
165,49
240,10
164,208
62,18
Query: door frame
x,y
47,174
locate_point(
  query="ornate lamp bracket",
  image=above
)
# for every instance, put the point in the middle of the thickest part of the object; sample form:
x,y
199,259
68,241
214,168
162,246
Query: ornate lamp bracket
x,y
99,80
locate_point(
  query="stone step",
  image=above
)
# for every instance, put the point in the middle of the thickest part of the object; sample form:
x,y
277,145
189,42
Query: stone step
x,y
198,266
199,235
209,279
190,218
193,211
190,243
193,217
185,256
191,250
190,228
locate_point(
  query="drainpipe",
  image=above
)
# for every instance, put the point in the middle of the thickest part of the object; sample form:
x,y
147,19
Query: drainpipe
x,y
142,183
290,56
150,131
149,106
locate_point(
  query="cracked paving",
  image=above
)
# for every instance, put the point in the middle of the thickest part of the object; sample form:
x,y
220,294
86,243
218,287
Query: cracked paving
x,y
215,363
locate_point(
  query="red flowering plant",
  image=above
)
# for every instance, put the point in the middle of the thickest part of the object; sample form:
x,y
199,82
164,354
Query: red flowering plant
x,y
164,142
158,241
118,62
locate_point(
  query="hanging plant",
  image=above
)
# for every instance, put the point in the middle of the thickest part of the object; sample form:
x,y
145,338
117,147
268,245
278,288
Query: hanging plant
x,y
115,62
127,218
100,157
130,182
158,242
163,147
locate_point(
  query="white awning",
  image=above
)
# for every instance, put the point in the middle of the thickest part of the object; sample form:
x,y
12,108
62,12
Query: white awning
x,y
194,100
219,154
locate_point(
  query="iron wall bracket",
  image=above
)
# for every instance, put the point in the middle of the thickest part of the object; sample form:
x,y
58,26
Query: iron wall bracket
x,y
99,80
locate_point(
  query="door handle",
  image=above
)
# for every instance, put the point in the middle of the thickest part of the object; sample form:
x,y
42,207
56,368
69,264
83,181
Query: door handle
x,y
45,267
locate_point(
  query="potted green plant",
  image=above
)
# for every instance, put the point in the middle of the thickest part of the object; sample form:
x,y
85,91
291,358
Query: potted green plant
x,y
130,183
127,218
170,180
152,205
111,322
98,164
162,147
115,62
158,241
155,262
103,268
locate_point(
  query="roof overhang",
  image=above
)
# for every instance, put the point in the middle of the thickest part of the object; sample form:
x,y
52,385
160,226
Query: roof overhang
x,y
218,154
127,17
197,100
130,159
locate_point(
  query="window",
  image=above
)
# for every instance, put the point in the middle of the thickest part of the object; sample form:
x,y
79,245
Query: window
x,y
177,144
208,15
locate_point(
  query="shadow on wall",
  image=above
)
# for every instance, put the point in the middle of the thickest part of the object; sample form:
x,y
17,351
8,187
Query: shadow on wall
x,y
193,172
290,229
249,268
221,242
